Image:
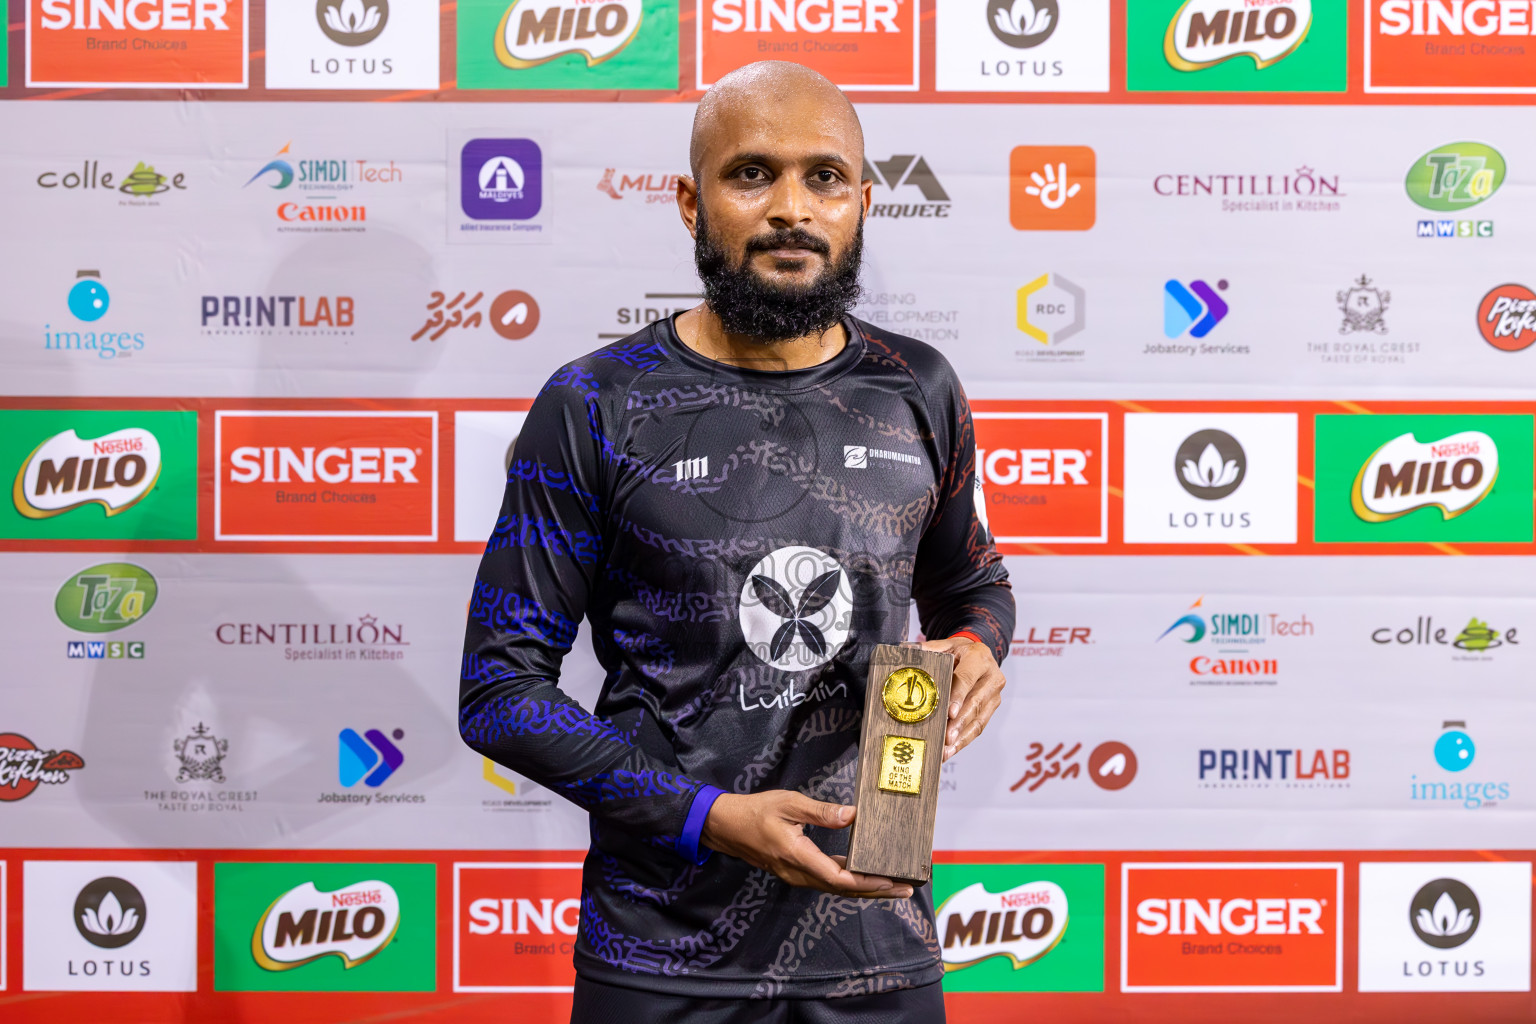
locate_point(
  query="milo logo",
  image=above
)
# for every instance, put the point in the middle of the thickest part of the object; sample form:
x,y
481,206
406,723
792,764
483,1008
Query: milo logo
x,y
106,598
353,924
67,471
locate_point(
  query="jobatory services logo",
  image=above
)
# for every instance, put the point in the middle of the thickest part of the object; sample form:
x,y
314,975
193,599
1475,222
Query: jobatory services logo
x,y
1419,47
325,476
88,301
1052,188
1043,477
100,475
1022,46
352,44
1193,309
1021,927
1110,765
568,44
1445,926
324,927
515,926
1236,46
137,44
1434,478
903,174
796,608
370,758
1231,927
110,926
24,766
871,45
1453,178
1506,317
1202,478
1273,768
1050,310
1454,753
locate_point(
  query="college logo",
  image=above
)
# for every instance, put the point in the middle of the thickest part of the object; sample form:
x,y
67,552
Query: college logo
x,y
858,44
796,608
1448,47
1051,309
1445,927
1478,637
568,44
1364,308
1210,464
907,171
1507,317
1021,927
1042,477
1052,188
109,913
515,926
1022,46
325,476
200,755
137,44
371,760
352,22
23,767
324,927
106,598
1217,927
141,183
1207,32
1235,46
1423,478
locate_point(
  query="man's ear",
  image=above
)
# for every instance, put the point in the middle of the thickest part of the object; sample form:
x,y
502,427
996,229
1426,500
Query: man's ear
x,y
688,203
867,187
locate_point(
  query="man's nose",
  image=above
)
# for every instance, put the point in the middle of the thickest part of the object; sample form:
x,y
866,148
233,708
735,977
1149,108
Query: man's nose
x,y
790,202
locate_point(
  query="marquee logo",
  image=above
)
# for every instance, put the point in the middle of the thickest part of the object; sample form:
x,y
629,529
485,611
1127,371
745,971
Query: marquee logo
x,y
23,767
515,925
354,924
1440,46
1207,32
106,598
535,31
115,471
1021,924
907,171
1506,317
137,44
858,44
1218,927
1042,476
1452,474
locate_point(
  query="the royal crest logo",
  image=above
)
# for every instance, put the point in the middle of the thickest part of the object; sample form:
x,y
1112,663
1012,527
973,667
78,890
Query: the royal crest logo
x,y
201,755
1208,32
1452,474
533,32
353,924
67,471
1364,308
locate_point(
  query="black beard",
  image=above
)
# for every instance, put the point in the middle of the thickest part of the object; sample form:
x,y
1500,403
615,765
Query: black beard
x,y
749,306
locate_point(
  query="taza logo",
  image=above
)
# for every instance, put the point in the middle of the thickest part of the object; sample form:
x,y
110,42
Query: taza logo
x,y
1452,474
796,608
352,22
1210,464
105,598
1457,176
1507,317
535,31
1022,24
353,924
1445,913
1021,924
110,913
1207,32
67,471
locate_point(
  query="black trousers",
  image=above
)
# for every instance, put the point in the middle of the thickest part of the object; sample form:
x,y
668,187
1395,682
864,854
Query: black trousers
x,y
596,1003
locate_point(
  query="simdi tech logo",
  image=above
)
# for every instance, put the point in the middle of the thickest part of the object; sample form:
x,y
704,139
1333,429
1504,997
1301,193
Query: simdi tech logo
x,y
335,927
1052,188
1237,46
1429,46
325,476
1022,46
567,44
1446,478
515,926
81,474
1021,927
1043,477
870,45
1228,927
137,44
324,189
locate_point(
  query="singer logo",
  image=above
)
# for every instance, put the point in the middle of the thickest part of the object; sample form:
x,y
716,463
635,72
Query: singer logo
x,y
334,476
1231,927
140,44
1042,477
1405,474
1413,46
859,44
514,926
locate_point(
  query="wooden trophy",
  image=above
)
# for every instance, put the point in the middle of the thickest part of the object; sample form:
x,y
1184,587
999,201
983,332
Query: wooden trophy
x,y
906,712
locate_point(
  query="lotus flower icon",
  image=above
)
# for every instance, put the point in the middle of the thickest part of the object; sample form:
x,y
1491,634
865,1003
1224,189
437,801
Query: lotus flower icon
x,y
1210,464
109,917
1446,919
1212,470
352,18
1445,913
109,912
1022,19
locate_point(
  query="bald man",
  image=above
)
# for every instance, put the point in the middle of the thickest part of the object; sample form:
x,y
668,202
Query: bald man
x,y
742,501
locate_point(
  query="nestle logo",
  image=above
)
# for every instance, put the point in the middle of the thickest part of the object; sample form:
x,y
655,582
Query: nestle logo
x,y
1445,451
356,899
121,444
1026,899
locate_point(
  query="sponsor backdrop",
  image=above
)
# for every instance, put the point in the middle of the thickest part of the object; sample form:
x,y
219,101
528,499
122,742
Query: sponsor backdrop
x,y
1240,293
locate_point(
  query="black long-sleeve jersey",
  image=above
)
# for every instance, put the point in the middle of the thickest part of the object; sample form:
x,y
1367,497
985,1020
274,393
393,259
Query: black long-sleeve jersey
x,y
739,541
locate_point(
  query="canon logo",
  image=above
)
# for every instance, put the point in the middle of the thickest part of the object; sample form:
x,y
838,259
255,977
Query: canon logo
x,y
1454,18
522,917
1186,916
144,15
249,464
803,15
1006,466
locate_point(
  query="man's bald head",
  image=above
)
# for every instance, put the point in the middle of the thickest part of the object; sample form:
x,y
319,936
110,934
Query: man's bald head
x,y
769,90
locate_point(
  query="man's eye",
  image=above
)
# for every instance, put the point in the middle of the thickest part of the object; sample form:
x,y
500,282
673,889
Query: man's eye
x,y
752,173
825,177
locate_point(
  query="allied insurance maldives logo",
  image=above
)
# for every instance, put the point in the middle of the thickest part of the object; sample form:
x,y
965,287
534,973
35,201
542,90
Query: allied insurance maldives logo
x,y
325,476
137,44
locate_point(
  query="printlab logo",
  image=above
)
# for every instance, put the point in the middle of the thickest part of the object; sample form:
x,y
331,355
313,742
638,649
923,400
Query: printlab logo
x,y
1051,309
1453,178
1194,308
1052,188
907,171
1364,308
23,767
1445,913
352,22
513,314
796,608
370,758
201,755
268,314
1210,464
110,913
1022,24
501,179
1506,317
1111,765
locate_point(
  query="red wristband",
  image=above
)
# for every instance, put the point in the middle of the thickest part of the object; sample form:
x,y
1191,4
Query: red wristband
x,y
967,634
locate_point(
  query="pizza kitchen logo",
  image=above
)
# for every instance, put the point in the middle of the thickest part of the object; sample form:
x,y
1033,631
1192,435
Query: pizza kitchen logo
x,y
1506,317
353,924
1404,475
24,767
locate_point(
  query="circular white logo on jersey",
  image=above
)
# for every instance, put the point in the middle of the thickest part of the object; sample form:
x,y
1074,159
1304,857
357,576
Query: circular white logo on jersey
x,y
796,608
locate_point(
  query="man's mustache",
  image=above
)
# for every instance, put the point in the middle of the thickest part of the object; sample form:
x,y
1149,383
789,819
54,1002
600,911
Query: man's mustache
x,y
789,238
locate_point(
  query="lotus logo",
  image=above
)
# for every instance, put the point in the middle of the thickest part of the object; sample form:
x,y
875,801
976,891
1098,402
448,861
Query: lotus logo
x,y
1210,464
1404,475
353,924
796,608
533,32
352,22
115,471
1207,32
1020,925
109,913
1445,913
1022,24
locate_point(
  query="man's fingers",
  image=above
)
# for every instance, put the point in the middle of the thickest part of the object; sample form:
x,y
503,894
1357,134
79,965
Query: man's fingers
x,y
830,875
803,809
